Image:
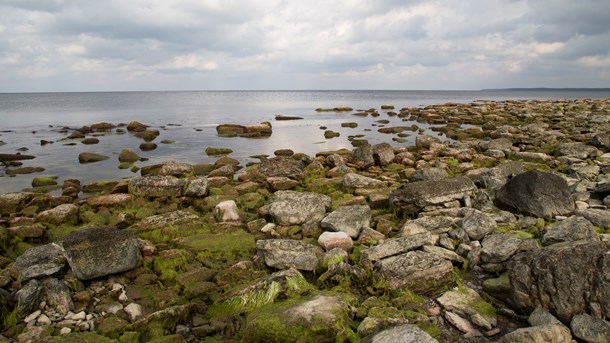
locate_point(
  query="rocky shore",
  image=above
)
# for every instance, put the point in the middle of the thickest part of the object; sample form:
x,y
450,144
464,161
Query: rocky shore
x,y
501,234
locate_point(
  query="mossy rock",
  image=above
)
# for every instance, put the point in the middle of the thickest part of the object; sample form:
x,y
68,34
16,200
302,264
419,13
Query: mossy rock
x,y
169,339
112,326
217,151
44,181
83,337
219,245
331,134
251,201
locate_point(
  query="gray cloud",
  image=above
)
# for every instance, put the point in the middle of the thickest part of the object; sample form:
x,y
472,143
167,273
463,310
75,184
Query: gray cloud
x,y
76,45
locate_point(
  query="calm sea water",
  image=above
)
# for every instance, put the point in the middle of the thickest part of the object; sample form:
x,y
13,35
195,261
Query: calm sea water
x,y
190,119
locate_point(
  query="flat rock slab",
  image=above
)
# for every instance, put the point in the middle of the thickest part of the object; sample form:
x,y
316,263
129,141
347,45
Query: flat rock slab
x,y
536,193
349,219
396,246
287,253
407,333
539,334
282,166
571,229
590,329
419,271
297,208
98,252
412,197
176,219
156,186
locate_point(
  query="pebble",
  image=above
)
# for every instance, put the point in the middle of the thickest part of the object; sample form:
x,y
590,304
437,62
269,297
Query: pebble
x,y
32,316
43,320
79,316
65,331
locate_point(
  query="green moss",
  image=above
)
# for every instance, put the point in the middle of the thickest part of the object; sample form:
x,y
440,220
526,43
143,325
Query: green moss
x,y
214,191
522,234
504,228
431,329
220,245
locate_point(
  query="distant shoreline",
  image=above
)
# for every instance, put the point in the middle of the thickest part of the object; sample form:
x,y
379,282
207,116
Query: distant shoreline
x,y
549,89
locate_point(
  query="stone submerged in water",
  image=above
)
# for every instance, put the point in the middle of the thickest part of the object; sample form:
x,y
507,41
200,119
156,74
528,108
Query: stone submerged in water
x,y
90,157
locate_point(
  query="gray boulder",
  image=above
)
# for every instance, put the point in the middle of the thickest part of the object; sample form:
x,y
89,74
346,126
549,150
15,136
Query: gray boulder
x,y
419,271
14,202
349,219
496,176
539,334
478,225
353,181
297,208
383,154
41,261
28,298
428,174
590,329
395,246
497,249
288,253
98,252
407,333
412,197
168,168
156,186
597,217
197,188
282,166
571,229
363,156
536,193
578,150
564,278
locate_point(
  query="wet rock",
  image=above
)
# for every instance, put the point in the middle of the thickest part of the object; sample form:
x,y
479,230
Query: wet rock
x,y
217,151
41,261
102,127
363,156
197,188
285,117
590,329
283,152
419,271
44,181
156,186
406,333
536,193
136,126
412,197
148,146
383,154
539,334
90,141
227,211
282,166
62,214
90,157
129,156
14,202
287,253
353,181
14,157
332,240
571,229
297,208
147,135
230,130
348,219
563,278
98,252
478,225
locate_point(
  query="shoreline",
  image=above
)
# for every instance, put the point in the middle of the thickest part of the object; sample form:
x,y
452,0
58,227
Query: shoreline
x,y
430,239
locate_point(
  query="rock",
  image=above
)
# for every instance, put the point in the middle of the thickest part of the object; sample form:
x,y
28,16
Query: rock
x,y
536,193
217,151
462,324
467,303
496,176
148,146
395,246
287,253
283,152
297,208
156,186
62,214
601,140
230,130
383,154
425,141
14,202
363,156
328,134
58,296
281,183
353,181
563,278
227,211
28,298
597,217
590,329
98,252
478,225
407,333
499,248
90,157
540,316
222,171
428,174
419,271
444,253
109,200
332,240
284,117
41,261
282,166
134,311
169,168
129,156
178,219
578,150
539,334
571,229
197,188
136,126
44,181
348,219
90,141
412,197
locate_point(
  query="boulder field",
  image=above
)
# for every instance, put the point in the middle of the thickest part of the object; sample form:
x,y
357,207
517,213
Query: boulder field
x,y
500,234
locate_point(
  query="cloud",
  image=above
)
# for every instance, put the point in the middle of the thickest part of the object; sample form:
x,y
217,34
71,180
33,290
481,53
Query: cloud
x,y
289,44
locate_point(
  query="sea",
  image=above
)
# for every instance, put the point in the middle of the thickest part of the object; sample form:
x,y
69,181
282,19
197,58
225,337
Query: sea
x,y
189,119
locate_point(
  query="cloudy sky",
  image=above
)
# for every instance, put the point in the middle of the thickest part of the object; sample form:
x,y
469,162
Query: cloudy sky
x,y
79,45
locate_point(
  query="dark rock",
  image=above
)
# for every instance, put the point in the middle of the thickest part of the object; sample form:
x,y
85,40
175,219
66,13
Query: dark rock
x,y
412,197
28,298
15,157
284,117
536,193
148,146
383,154
90,141
136,126
564,278
217,151
98,252
90,157
127,155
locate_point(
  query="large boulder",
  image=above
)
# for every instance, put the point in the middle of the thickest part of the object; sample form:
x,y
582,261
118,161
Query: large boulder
x,y
98,252
596,216
578,150
157,186
168,168
496,176
395,246
497,249
536,193
407,333
42,261
282,166
478,225
590,329
288,253
62,214
412,197
383,153
297,208
349,219
363,156
564,278
571,229
419,271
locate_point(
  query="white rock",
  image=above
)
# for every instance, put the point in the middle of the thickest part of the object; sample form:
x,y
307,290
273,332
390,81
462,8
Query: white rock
x,y
227,211
43,320
331,240
32,316
89,317
65,331
79,316
84,326
117,287
123,297
134,311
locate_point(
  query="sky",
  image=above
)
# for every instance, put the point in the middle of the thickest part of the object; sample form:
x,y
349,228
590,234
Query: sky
x,y
118,45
